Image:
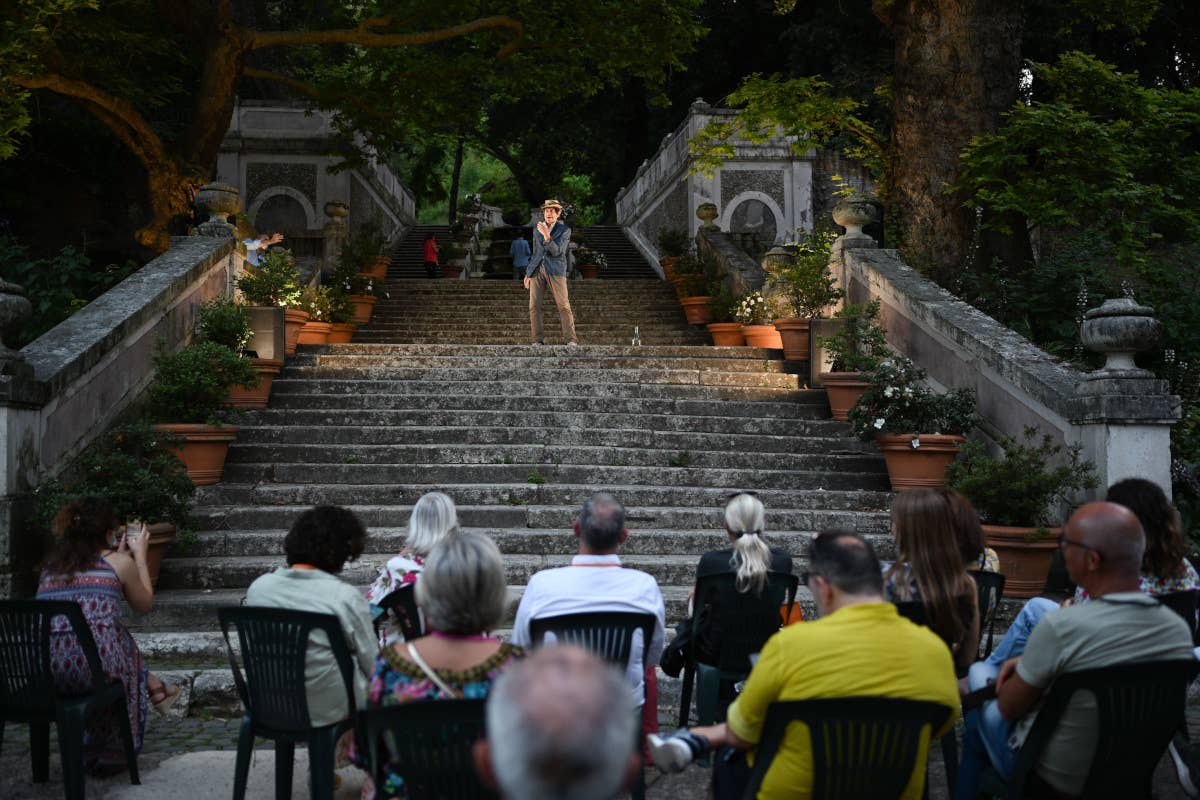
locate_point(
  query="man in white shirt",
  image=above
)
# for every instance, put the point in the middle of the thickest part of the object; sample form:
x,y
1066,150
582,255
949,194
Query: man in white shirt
x,y
256,247
596,581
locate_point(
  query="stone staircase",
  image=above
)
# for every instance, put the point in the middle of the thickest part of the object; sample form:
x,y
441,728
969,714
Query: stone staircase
x,y
624,260
408,256
440,392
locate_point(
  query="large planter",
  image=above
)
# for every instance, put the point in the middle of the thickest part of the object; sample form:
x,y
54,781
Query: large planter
x,y
844,389
364,306
161,536
378,269
696,309
340,332
922,467
1025,557
590,272
452,270
203,450
762,336
314,332
245,397
793,332
668,265
726,334
293,321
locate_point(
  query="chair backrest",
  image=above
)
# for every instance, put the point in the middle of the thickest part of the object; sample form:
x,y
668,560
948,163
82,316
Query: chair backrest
x,y
991,589
1183,603
744,620
401,606
274,647
428,743
608,634
26,680
1139,709
862,747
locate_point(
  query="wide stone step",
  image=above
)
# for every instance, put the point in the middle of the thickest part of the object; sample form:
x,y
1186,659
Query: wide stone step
x,y
516,339
534,363
514,386
708,354
767,378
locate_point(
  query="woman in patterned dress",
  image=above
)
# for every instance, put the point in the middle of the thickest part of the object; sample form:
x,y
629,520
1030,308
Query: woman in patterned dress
x,y
96,562
463,596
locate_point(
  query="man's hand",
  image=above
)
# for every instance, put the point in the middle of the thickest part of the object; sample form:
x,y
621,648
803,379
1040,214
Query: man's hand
x,y
544,230
526,281
1007,670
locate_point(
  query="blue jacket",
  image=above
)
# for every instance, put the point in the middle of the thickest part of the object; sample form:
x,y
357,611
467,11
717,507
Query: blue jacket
x,y
519,250
553,254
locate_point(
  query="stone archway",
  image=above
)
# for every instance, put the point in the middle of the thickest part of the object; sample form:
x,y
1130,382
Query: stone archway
x,y
283,209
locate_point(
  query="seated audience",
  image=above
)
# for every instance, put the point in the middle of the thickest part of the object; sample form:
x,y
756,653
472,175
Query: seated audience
x,y
929,570
95,562
463,595
749,557
1103,546
432,518
860,646
968,532
554,732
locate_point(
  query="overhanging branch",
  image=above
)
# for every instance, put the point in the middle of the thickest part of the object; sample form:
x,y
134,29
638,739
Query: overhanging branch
x,y
365,37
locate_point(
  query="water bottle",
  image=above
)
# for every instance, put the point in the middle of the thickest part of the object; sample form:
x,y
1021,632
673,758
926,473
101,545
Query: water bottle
x,y
637,337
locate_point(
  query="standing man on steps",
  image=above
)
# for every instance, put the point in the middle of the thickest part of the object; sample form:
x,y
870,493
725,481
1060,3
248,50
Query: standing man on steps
x,y
548,269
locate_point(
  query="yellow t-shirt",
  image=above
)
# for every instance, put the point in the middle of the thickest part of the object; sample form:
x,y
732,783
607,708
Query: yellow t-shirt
x,y
859,650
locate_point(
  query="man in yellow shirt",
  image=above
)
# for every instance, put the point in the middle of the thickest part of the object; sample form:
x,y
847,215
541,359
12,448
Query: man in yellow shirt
x,y
859,647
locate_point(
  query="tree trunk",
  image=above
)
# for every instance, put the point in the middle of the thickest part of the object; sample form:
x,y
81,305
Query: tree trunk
x,y
455,174
957,69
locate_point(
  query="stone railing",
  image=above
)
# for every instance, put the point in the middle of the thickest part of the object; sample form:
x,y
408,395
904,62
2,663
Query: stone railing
x,y
1121,416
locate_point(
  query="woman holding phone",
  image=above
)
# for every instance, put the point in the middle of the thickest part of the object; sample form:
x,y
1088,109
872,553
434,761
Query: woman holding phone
x,y
96,561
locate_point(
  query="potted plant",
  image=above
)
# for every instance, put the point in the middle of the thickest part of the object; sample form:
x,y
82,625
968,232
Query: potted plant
x,y
917,430
754,313
228,323
724,328
365,250
133,468
341,317
273,283
856,348
188,398
1017,496
358,287
315,301
455,254
590,263
802,288
672,244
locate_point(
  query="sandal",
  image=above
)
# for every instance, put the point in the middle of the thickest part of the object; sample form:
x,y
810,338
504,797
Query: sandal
x,y
170,694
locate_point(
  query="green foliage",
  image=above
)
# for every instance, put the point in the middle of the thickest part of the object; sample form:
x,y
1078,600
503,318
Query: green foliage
x,y
226,323
899,401
860,344
132,468
672,242
722,303
681,459
317,302
273,282
753,309
806,286
1019,488
339,306
191,385
536,477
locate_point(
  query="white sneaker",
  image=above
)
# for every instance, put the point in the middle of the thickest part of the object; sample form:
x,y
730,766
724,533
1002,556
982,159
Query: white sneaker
x,y
572,344
668,754
1183,770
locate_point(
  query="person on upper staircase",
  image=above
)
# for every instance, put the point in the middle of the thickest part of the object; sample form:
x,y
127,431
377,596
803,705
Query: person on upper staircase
x,y
548,269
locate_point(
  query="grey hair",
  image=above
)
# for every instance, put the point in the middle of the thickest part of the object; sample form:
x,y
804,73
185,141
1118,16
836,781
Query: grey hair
x,y
462,589
744,518
433,516
559,727
601,521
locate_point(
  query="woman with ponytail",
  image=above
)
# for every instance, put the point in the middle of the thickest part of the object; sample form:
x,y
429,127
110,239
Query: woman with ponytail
x,y
748,557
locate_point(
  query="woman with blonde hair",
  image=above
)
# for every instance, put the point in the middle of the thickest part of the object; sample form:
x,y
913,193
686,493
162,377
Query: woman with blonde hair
x,y
929,570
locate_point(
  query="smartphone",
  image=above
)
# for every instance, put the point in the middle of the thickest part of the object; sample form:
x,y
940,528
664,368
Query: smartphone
x,y
134,531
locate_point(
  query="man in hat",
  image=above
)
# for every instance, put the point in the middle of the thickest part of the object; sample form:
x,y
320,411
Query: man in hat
x,y
547,269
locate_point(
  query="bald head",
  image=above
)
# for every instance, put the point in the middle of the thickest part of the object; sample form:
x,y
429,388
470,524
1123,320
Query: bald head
x,y
1114,533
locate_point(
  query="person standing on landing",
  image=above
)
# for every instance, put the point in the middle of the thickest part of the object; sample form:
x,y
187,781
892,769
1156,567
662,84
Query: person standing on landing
x,y
547,269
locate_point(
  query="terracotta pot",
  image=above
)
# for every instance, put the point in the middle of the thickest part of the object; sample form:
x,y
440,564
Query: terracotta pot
x,y
726,334
762,336
696,309
668,264
340,332
314,332
844,389
378,270
921,467
793,331
293,321
590,272
203,450
244,397
161,536
452,270
364,306
1024,557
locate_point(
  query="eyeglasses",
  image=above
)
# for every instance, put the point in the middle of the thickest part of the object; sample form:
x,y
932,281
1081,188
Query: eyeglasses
x,y
1063,541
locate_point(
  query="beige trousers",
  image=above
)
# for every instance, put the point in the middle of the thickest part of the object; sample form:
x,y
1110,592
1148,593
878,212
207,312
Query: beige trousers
x,y
558,290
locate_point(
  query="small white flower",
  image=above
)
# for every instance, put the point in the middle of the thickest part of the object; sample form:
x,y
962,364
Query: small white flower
x,y
889,391
879,423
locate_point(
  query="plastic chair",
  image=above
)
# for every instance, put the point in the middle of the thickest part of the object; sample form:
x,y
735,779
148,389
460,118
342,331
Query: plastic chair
x,y
1139,709
429,743
28,692
608,634
1184,604
991,590
745,622
862,747
274,645
401,606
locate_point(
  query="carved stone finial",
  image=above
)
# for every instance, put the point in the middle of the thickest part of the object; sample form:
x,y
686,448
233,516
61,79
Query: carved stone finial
x,y
853,215
336,210
220,201
15,310
1119,329
708,212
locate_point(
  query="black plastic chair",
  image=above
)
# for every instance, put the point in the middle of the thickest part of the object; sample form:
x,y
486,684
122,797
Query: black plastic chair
x,y
745,622
429,743
1139,709
401,606
28,692
274,644
1184,604
863,748
608,634
991,590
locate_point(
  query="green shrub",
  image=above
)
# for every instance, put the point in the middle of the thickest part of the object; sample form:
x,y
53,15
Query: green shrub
x,y
672,242
899,401
273,282
191,385
225,322
859,345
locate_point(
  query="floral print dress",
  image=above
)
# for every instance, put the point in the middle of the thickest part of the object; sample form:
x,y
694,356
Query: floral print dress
x,y
399,571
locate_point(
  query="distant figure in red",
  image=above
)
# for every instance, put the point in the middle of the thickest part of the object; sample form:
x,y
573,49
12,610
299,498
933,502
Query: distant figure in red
x,y
431,256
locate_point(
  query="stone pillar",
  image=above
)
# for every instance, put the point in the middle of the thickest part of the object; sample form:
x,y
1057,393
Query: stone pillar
x,y
851,215
335,231
1125,414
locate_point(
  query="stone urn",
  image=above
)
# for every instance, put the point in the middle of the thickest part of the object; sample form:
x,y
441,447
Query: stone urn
x,y
15,309
853,215
1119,329
707,212
336,210
777,258
219,201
